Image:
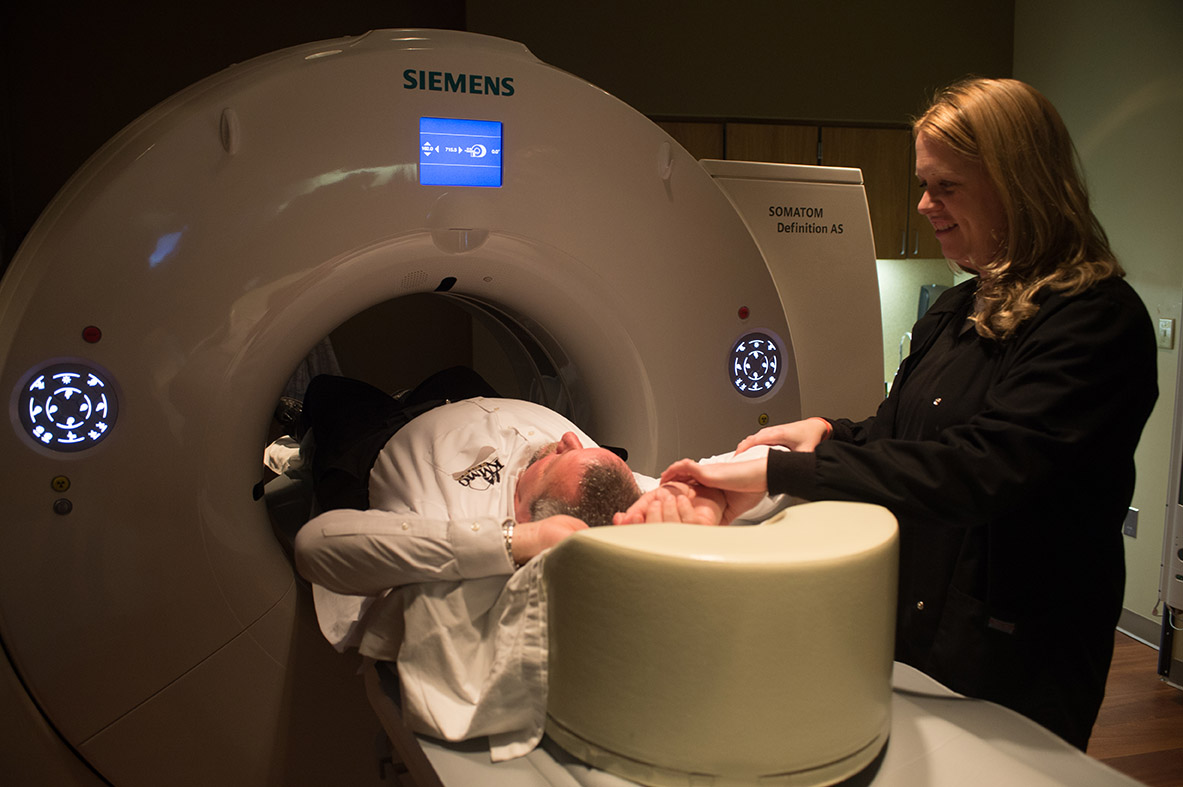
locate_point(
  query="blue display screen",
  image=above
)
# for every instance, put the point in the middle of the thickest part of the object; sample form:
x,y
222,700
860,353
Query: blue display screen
x,y
459,152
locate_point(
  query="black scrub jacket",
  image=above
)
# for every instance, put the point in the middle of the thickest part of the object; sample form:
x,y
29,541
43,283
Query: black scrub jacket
x,y
1010,467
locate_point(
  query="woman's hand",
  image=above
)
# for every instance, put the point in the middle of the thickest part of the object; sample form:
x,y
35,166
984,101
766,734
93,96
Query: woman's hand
x,y
743,484
796,436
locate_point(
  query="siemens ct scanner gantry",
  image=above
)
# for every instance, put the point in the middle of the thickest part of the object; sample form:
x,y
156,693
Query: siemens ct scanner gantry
x,y
154,630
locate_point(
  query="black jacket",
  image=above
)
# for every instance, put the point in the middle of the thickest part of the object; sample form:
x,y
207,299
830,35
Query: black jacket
x,y
1010,467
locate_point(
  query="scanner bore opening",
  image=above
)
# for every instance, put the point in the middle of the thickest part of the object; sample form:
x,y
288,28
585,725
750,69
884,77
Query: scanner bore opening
x,y
396,344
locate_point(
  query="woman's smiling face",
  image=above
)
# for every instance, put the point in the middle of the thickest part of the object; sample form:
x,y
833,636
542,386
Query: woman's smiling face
x,y
961,203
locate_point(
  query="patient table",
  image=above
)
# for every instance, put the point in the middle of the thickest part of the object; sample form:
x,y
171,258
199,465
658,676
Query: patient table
x,y
938,739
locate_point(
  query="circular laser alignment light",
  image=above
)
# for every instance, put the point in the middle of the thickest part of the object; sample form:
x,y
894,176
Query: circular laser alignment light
x,y
68,407
755,364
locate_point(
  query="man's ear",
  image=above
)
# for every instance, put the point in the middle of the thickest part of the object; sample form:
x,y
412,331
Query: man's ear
x,y
569,442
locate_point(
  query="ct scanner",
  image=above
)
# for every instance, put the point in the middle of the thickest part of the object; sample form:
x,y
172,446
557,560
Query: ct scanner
x,y
153,628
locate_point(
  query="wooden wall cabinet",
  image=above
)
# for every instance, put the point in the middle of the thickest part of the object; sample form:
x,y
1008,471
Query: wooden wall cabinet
x,y
885,156
701,139
780,143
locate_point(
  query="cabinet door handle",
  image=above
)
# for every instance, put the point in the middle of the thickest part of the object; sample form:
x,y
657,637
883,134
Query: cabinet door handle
x,y
904,243
916,248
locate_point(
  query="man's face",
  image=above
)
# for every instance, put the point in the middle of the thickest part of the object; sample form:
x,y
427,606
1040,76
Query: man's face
x,y
556,471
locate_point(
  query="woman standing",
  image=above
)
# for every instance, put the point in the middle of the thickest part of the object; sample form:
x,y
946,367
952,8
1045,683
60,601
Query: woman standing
x,y
1006,446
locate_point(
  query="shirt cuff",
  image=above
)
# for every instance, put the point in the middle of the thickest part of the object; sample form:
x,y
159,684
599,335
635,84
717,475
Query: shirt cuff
x,y
478,545
792,473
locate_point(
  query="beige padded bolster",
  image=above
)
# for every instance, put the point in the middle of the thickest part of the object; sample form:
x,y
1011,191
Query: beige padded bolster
x,y
685,655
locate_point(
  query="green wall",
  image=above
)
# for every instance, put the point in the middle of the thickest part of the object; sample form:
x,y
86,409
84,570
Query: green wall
x,y
1116,75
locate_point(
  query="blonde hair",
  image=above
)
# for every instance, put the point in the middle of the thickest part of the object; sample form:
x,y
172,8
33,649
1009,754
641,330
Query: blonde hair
x,y
1052,239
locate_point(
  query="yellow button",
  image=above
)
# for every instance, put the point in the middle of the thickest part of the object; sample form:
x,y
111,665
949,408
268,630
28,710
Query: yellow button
x,y
60,483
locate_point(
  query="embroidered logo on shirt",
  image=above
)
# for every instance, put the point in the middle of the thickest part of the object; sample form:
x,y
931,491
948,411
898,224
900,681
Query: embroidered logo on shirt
x,y
483,474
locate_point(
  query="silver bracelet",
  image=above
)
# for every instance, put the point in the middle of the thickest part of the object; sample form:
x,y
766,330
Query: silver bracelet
x,y
507,530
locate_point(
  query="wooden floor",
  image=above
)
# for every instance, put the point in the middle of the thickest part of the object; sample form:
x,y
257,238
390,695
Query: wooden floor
x,y
1140,728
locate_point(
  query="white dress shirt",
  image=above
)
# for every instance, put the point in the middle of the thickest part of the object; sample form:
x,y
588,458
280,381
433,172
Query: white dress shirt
x,y
423,578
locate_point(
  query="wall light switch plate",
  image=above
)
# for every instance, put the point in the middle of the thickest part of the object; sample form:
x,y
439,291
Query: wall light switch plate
x,y
1166,333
